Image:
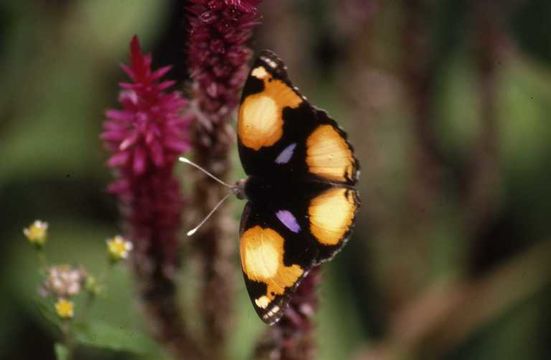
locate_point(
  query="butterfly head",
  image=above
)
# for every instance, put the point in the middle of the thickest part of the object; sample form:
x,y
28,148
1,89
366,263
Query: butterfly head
x,y
238,189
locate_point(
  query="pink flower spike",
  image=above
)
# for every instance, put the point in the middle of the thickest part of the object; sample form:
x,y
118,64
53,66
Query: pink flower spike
x,y
144,137
218,62
150,115
140,136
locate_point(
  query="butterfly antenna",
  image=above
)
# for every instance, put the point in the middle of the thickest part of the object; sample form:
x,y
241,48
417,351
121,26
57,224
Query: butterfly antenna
x,y
188,161
192,231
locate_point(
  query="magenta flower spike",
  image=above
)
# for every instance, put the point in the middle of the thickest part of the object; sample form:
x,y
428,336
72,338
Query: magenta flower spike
x,y
218,53
144,138
149,132
218,62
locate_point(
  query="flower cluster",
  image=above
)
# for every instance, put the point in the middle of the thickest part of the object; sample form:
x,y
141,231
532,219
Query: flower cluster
x,y
63,281
218,53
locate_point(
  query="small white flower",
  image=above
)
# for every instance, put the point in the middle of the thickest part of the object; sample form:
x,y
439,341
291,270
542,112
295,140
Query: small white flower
x,y
37,233
118,248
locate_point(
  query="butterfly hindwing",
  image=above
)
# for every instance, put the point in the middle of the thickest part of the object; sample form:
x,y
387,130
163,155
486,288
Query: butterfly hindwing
x,y
281,134
274,260
331,215
282,238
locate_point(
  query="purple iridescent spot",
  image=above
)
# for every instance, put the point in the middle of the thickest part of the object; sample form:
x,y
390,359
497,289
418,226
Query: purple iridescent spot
x,y
286,154
288,220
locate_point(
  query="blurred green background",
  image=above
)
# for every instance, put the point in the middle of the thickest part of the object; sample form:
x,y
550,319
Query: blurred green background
x,y
447,103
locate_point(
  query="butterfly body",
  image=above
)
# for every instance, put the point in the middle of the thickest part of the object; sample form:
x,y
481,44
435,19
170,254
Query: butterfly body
x,y
301,170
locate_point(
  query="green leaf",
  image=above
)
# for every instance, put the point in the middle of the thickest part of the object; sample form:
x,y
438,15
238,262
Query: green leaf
x,y
61,352
106,336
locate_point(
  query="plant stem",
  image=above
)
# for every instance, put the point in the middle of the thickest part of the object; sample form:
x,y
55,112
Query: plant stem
x,y
68,339
217,58
159,300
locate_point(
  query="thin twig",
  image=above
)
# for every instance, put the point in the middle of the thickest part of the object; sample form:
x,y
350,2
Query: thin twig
x,y
446,313
482,178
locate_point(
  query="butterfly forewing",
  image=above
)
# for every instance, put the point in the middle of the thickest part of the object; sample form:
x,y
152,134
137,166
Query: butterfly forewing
x,y
329,155
281,134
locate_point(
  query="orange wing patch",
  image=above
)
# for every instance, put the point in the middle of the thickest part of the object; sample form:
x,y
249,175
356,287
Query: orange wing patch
x,y
262,261
329,155
332,214
260,115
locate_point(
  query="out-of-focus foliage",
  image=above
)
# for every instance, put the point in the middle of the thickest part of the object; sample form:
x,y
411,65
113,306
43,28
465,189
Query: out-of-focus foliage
x,y
58,72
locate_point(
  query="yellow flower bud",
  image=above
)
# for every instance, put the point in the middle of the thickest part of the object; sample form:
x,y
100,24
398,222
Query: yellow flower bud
x,y
92,286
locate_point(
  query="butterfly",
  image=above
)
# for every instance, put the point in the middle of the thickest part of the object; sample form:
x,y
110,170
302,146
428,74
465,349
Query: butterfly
x,y
300,190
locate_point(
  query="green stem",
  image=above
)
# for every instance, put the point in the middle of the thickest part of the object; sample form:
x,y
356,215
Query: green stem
x,y
68,338
42,260
90,297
